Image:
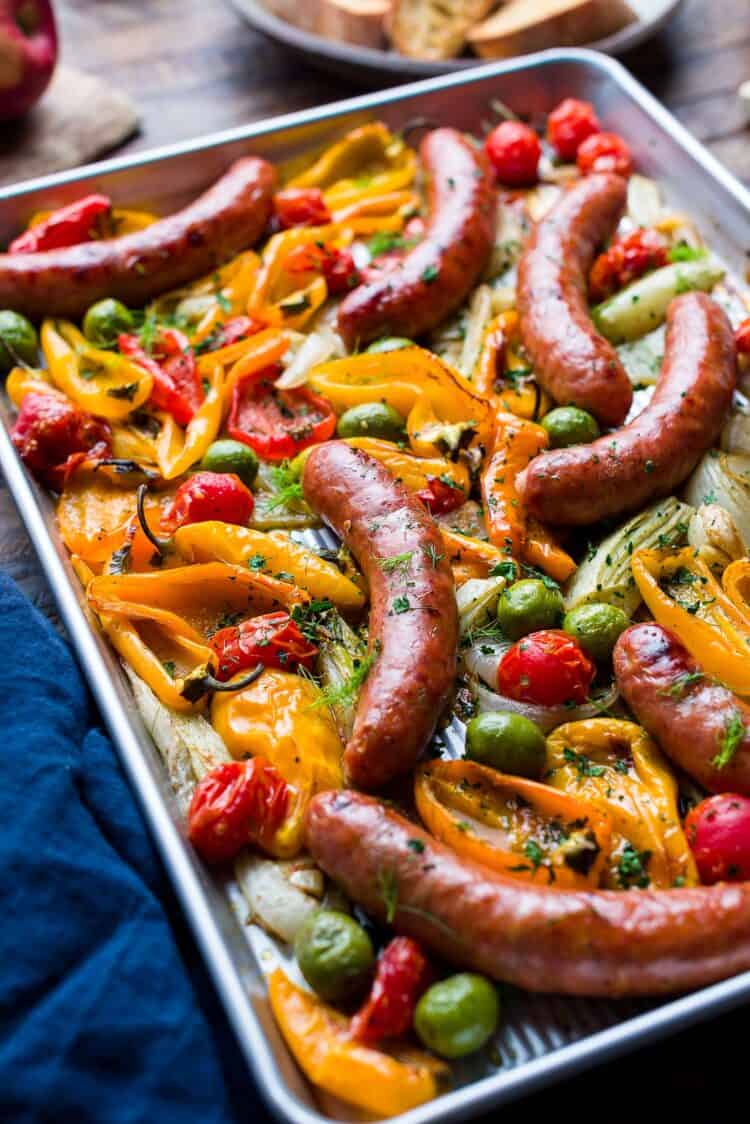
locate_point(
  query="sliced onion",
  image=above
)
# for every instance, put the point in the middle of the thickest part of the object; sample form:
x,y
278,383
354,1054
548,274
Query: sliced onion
x,y
316,348
545,717
483,659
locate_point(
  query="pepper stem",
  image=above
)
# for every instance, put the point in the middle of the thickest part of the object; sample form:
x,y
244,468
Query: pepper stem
x,y
161,545
201,681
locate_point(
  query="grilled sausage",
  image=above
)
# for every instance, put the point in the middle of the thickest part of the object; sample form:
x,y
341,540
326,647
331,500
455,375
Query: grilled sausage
x,y
436,276
413,616
573,363
649,457
691,717
226,219
573,942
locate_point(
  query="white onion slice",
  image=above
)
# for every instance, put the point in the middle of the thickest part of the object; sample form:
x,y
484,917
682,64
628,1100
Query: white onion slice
x,y
483,659
546,717
316,348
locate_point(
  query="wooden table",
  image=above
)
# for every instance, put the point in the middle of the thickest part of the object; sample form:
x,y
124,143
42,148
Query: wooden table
x,y
192,67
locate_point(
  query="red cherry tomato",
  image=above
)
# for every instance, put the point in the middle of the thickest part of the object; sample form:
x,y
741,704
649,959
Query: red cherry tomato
x,y
513,150
605,152
177,386
625,261
718,831
52,437
278,424
548,668
742,337
300,206
439,498
209,495
232,331
402,975
272,639
337,266
569,125
237,804
83,221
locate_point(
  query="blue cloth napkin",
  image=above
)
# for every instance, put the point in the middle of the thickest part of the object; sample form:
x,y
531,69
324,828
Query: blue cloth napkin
x,y
106,1012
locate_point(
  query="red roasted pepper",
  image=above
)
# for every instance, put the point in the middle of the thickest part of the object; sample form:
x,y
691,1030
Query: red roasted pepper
x,y
53,436
337,266
83,221
272,639
300,206
237,804
439,498
177,385
206,496
625,261
402,975
277,424
239,328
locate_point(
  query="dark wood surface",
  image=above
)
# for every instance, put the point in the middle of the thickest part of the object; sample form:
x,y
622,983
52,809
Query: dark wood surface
x,y
191,67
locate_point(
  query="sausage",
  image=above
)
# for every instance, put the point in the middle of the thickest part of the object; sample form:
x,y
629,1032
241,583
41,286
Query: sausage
x,y
648,458
413,615
436,276
226,219
573,363
572,942
688,714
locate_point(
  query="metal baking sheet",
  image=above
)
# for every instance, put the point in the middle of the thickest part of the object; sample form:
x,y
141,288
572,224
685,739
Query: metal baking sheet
x,y
543,1038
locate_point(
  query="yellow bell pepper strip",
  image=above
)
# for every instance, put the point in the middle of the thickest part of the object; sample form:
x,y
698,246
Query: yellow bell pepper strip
x,y
469,557
413,472
541,549
368,160
268,553
277,718
516,826
379,1083
709,623
502,375
28,380
93,515
177,450
392,205
516,442
429,437
615,766
101,382
399,378
221,295
294,295
261,351
736,583
161,658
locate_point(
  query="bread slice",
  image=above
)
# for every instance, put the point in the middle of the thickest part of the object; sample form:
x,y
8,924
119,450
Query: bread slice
x,y
434,29
522,26
350,21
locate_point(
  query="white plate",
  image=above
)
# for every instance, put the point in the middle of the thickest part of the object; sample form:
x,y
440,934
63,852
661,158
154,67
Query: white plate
x,y
372,65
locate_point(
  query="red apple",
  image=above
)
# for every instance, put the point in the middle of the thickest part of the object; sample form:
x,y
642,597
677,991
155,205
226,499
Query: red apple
x,y
28,52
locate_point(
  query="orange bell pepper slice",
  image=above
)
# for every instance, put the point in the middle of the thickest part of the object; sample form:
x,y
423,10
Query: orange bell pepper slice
x,y
512,825
382,1084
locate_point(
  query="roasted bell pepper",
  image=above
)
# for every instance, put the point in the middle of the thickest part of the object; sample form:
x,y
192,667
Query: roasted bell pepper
x,y
212,300
271,553
713,628
277,424
171,363
470,557
177,450
414,473
83,221
278,718
53,437
513,825
101,382
369,160
615,766
402,975
29,380
431,437
502,375
380,1083
245,358
279,288
94,515
516,442
399,378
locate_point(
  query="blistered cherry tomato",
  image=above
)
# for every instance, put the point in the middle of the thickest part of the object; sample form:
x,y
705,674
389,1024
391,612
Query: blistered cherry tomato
x,y
513,150
237,804
439,497
569,125
718,831
548,668
272,639
742,337
209,495
625,261
300,206
402,975
52,436
337,266
605,152
171,361
238,328
82,221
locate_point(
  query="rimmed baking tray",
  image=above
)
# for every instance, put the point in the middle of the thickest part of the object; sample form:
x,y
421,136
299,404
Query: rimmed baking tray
x,y
543,1038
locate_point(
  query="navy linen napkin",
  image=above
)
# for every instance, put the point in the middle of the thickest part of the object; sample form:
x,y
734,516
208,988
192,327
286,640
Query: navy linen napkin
x,y
106,1013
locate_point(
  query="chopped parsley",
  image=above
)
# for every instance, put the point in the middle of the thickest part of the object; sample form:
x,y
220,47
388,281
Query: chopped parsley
x,y
683,252
433,555
388,888
256,562
396,562
385,241
311,617
677,688
584,766
401,604
347,691
128,391
430,274
730,740
416,845
170,667
632,868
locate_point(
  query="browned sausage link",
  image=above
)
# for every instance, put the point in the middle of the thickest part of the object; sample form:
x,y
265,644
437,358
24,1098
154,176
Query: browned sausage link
x,y
226,219
596,942
413,617
650,457
686,712
573,363
435,277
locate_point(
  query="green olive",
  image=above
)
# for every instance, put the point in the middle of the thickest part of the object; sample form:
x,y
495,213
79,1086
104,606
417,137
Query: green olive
x,y
335,955
19,342
596,627
528,606
507,742
389,343
457,1016
567,425
106,320
371,419
232,456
